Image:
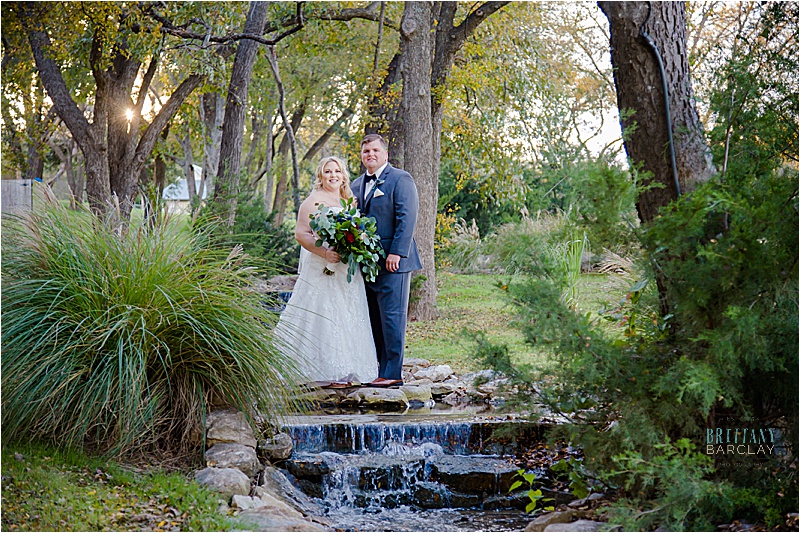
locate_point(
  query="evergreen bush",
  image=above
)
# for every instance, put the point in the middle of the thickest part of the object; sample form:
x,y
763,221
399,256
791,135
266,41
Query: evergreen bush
x,y
728,349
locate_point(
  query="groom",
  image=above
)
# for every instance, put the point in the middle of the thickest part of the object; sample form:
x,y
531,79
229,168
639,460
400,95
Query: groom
x,y
389,195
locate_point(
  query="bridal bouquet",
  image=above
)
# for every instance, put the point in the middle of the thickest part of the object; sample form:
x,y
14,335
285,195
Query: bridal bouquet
x,y
351,235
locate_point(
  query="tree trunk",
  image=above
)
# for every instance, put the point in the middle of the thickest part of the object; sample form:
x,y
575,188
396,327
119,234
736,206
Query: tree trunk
x,y
212,113
226,188
187,163
281,196
91,138
384,112
114,160
416,104
640,98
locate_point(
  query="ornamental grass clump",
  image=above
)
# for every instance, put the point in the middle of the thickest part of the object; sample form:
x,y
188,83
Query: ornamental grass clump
x,y
124,339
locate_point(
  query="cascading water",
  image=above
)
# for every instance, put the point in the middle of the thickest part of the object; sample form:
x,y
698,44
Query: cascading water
x,y
387,474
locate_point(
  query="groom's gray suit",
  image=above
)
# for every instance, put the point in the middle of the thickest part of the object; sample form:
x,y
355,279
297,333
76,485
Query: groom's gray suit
x,y
395,210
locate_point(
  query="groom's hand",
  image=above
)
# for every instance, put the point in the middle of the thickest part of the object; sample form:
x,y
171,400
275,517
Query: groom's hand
x,y
392,262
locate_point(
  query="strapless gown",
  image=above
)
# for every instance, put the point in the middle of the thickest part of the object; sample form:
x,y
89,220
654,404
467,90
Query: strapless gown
x,y
325,325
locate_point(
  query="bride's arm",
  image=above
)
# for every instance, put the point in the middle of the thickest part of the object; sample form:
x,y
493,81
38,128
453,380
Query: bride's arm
x,y
306,237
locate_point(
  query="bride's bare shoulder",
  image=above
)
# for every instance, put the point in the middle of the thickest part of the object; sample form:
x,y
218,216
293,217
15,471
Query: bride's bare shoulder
x,y
318,197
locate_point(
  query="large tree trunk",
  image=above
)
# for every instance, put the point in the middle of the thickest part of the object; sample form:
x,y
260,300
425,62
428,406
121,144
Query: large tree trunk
x,y
91,138
640,98
416,104
113,157
226,188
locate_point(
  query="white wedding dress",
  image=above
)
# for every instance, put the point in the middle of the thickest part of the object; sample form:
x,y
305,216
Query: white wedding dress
x,y
325,325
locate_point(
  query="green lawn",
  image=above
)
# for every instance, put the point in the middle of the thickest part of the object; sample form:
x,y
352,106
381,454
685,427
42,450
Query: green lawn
x,y
46,490
476,302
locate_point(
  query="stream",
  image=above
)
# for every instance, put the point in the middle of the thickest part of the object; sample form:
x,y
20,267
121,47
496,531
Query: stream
x,y
424,470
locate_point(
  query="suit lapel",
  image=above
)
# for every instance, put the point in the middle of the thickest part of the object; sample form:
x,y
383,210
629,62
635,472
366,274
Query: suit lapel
x,y
371,193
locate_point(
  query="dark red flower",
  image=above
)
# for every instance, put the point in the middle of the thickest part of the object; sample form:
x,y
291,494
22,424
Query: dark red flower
x,y
350,237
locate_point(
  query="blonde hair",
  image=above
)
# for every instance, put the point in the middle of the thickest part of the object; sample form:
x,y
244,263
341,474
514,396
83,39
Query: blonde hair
x,y
344,188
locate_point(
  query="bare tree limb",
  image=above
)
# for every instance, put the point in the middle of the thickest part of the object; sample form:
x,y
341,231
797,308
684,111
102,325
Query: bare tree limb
x,y
273,63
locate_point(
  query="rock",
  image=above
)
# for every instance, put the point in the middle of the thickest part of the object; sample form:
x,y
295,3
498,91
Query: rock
x,y
585,501
232,455
542,521
434,373
278,485
578,525
445,387
424,381
492,387
278,447
321,397
415,361
247,502
310,466
227,481
454,398
475,394
265,519
473,475
229,426
375,397
420,393
483,376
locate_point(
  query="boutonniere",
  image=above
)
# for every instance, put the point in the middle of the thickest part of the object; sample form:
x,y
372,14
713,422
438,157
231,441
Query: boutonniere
x,y
378,192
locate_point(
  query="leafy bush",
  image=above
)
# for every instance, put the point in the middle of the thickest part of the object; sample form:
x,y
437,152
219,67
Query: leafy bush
x,y
125,340
254,228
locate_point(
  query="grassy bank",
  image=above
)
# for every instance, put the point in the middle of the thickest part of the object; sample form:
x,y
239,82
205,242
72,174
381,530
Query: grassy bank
x,y
477,302
46,490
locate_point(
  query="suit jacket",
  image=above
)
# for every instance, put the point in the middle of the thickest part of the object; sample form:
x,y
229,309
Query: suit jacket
x,y
394,204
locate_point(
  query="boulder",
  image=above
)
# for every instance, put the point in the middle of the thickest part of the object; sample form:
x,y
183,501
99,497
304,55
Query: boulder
x,y
374,397
491,387
309,466
229,426
434,373
246,503
578,525
473,475
445,387
587,500
265,519
278,447
420,393
233,455
416,361
275,482
226,481
320,397
547,519
454,398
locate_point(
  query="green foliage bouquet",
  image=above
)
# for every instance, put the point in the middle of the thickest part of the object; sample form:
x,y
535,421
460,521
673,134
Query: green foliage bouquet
x,y
352,236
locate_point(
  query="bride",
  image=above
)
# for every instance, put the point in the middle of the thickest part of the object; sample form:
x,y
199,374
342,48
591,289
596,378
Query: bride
x,y
325,325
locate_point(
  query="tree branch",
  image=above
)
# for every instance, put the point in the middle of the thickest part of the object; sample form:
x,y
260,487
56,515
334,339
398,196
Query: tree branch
x,y
180,31
50,73
346,114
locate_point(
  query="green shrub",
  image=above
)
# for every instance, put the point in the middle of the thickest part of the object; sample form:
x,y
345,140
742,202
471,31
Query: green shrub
x,y
255,230
727,350
125,340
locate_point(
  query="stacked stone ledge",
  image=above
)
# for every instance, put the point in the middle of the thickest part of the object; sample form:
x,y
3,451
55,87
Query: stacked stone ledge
x,y
263,499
